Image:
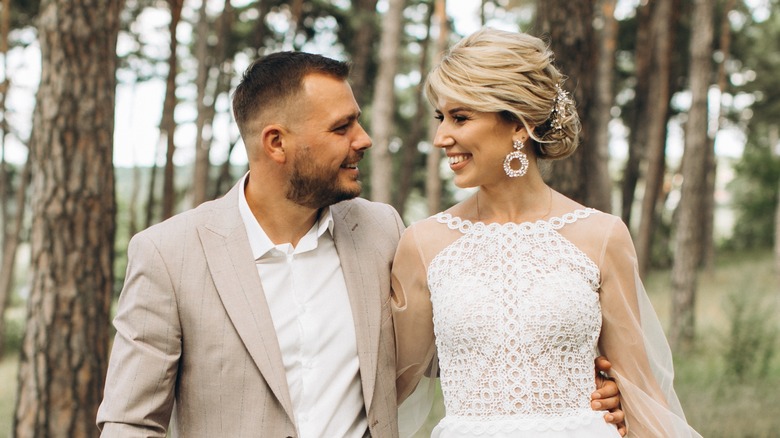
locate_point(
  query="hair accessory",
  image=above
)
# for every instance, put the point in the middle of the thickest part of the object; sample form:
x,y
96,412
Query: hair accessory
x,y
561,101
517,154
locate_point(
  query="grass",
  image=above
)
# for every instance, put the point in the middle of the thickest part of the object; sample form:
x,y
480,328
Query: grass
x,y
717,402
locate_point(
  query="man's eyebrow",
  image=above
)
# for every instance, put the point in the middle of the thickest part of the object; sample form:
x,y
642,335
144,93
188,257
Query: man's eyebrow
x,y
347,118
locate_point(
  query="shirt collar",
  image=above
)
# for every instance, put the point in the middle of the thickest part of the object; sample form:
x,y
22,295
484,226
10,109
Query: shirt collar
x,y
259,240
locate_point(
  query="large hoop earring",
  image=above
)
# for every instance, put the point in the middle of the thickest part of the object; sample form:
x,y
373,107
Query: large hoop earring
x,y
517,154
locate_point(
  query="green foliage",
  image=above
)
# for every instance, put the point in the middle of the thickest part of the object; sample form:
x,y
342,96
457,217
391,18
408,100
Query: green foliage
x,y
757,49
755,197
752,341
14,331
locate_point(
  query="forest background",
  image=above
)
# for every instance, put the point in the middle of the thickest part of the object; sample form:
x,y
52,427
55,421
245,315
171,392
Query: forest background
x,y
109,125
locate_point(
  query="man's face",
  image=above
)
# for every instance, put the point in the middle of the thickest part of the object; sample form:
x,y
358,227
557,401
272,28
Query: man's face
x,y
328,143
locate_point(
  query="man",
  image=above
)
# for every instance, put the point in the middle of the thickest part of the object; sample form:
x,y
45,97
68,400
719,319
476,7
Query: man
x,y
267,312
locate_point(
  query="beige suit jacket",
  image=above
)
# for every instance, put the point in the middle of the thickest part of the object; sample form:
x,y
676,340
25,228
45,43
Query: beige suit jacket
x,y
195,345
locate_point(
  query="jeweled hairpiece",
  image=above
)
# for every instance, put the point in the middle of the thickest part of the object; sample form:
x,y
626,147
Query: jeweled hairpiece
x,y
561,101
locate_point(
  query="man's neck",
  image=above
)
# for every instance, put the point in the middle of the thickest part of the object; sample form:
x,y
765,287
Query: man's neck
x,y
282,220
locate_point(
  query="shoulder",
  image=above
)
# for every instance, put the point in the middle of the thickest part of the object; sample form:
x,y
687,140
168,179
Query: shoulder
x,y
611,236
367,212
183,226
375,221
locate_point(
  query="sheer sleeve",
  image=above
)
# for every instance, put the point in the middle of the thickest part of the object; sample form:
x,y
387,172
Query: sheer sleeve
x,y
633,340
415,346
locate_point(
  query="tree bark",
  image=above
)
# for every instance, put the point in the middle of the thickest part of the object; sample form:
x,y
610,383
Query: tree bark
x,y
637,139
774,137
708,212
8,242
601,194
200,173
363,49
689,236
383,104
573,40
433,186
410,151
10,246
662,36
261,30
168,122
65,347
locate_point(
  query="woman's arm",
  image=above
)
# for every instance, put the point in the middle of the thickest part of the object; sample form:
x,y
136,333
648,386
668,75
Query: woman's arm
x,y
633,340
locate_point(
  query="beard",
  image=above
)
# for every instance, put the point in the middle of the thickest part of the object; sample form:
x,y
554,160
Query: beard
x,y
317,186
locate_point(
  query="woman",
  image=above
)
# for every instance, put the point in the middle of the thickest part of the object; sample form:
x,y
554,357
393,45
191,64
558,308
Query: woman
x,y
518,288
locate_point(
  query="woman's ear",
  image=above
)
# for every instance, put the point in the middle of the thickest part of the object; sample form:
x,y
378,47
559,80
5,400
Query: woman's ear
x,y
273,139
520,127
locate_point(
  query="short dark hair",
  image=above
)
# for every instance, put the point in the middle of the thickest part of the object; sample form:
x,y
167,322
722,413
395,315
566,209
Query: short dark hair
x,y
270,80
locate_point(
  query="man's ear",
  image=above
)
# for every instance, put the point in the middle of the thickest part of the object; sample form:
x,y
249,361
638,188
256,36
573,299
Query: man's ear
x,y
273,139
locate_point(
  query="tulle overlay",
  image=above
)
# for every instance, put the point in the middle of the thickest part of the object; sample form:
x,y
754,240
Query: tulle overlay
x,y
515,314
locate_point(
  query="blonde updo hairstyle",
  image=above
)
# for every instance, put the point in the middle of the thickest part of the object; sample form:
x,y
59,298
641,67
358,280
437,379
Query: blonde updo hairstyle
x,y
511,74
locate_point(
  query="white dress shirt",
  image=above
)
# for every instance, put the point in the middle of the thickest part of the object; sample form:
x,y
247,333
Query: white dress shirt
x,y
307,296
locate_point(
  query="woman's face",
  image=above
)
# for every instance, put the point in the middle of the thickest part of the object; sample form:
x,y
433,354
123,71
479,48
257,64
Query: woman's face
x,y
476,143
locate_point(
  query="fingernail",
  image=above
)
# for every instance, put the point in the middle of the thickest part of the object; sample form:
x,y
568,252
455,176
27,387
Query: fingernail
x,y
609,417
596,405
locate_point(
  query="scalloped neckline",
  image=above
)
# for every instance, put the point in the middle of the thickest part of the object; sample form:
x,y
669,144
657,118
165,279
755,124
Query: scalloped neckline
x,y
556,222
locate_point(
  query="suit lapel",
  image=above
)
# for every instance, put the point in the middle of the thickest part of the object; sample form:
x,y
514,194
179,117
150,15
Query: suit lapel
x,y
361,280
233,270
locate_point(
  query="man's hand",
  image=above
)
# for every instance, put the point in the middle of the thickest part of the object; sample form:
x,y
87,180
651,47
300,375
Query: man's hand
x,y
607,396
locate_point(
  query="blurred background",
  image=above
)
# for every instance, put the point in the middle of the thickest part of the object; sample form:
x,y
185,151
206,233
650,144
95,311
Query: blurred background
x,y
109,125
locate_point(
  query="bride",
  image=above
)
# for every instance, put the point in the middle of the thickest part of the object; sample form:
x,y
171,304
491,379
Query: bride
x,y
517,289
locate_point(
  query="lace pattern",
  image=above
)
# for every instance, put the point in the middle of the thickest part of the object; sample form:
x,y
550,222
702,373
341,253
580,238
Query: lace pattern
x,y
517,318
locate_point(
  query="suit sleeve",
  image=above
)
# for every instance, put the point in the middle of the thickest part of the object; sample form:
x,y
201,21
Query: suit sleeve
x,y
142,369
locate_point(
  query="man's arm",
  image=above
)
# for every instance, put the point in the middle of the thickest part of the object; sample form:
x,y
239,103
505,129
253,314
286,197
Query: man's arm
x,y
607,396
142,369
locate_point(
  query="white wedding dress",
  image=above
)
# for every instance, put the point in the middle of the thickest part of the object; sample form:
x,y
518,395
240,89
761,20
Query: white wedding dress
x,y
516,315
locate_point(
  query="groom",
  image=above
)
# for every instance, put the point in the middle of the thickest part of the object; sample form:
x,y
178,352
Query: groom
x,y
267,312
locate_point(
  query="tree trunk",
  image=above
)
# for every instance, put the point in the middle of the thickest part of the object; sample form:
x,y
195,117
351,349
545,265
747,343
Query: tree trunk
x,y
383,104
200,173
261,30
7,241
662,31
433,188
708,213
688,239
65,347
637,139
601,114
10,245
572,39
363,48
5,25
168,122
151,202
410,151
774,137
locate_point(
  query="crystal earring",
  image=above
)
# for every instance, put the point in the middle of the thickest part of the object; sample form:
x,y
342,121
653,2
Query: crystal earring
x,y
517,154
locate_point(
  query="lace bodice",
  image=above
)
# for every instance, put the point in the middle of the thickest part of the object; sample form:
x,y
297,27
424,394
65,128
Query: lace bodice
x,y
517,317
514,314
